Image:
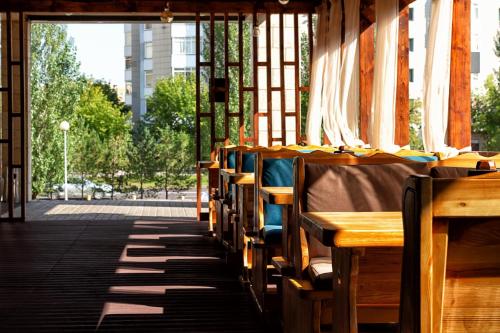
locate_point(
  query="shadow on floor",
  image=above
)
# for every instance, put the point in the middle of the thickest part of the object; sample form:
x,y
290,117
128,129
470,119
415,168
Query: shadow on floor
x,y
118,276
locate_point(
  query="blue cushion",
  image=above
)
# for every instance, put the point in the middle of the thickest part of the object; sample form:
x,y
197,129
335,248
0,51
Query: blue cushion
x,y
421,158
272,234
248,162
276,172
231,160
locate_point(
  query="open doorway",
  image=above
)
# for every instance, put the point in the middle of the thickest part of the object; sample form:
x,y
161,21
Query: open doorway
x,y
128,93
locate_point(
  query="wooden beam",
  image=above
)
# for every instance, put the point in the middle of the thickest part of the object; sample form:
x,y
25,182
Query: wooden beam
x,y
459,117
269,82
402,130
155,6
282,78
366,62
255,59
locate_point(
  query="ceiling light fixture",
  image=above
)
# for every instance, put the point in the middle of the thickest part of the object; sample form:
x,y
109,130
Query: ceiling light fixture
x,y
166,15
283,2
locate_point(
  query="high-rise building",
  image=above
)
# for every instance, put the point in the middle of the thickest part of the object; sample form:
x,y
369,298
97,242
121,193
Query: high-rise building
x,y
154,51
485,22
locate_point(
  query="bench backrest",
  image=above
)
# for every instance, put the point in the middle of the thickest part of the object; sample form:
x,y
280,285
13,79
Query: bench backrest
x,y
451,262
332,185
276,169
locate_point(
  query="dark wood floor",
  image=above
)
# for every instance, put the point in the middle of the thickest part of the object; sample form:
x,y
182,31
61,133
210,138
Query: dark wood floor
x,y
124,276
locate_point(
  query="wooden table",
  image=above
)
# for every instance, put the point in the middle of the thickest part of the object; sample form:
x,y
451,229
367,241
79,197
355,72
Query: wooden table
x,y
208,164
359,229
347,233
212,167
277,195
282,196
238,178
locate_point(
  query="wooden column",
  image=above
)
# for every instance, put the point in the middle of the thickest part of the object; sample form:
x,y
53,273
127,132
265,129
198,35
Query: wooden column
x,y
459,117
366,60
402,119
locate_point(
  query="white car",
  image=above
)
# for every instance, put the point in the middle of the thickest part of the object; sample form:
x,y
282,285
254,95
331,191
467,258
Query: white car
x,y
89,188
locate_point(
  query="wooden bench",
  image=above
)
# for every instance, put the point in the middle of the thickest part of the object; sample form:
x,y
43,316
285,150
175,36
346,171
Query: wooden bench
x,y
372,184
213,174
451,262
358,263
271,222
223,199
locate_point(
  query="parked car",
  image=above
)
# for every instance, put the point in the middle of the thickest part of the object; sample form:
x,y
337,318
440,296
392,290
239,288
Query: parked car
x,y
89,188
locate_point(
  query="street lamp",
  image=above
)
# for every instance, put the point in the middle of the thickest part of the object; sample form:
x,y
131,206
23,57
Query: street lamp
x,y
64,126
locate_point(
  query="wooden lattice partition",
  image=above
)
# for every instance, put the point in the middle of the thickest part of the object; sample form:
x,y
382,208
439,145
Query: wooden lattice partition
x,y
269,85
13,120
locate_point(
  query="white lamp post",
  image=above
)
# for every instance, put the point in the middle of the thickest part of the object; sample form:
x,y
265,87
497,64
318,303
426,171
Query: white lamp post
x,y
64,126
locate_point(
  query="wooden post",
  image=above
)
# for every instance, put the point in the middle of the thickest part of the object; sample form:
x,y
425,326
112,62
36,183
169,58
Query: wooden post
x,y
459,117
366,61
402,124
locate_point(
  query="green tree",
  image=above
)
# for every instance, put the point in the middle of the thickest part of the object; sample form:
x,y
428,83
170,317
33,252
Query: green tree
x,y
112,96
143,154
485,107
416,141
175,160
304,78
96,112
103,125
486,112
173,104
55,90
115,158
84,145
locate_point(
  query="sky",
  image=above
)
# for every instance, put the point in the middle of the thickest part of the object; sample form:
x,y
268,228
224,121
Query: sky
x,y
100,51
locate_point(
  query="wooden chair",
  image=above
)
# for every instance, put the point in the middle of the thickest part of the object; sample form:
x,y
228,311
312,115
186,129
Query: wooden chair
x,y
451,266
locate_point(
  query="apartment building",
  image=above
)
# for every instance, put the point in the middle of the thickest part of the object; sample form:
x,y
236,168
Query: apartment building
x,y
154,51
485,22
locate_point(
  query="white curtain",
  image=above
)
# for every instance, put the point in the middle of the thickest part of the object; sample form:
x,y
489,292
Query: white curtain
x,y
314,111
350,72
437,77
382,122
335,77
331,78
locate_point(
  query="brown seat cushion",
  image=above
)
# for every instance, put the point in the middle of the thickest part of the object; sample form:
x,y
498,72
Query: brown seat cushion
x,y
449,172
357,188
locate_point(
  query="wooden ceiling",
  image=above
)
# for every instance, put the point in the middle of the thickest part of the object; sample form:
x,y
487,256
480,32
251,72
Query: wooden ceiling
x,y
106,7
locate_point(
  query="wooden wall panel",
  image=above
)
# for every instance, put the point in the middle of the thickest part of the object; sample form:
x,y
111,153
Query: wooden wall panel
x,y
366,62
402,130
459,118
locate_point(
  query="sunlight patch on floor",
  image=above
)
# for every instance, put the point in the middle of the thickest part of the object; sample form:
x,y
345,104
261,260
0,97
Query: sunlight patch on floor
x,y
153,290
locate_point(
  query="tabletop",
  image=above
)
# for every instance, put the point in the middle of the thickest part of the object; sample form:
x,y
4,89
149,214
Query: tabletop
x,y
277,195
239,178
355,229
